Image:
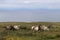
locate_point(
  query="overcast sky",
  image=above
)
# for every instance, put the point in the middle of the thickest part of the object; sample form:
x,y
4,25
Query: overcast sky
x,y
29,10
49,4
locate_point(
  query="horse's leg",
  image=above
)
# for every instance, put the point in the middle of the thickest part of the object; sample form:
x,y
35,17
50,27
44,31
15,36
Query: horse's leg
x,y
14,29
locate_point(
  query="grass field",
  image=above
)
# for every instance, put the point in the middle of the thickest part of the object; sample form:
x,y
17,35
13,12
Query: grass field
x,y
27,34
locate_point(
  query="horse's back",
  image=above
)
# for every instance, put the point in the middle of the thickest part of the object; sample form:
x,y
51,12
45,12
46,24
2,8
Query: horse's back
x,y
36,28
16,27
45,27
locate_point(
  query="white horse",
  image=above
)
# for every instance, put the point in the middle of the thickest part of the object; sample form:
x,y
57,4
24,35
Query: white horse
x,y
37,28
16,27
8,27
43,27
11,27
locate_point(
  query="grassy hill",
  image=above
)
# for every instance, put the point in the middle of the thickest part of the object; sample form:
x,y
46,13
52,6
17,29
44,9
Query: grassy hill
x,y
27,34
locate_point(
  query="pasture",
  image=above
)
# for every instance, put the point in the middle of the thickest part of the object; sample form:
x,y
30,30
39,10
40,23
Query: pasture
x,y
26,33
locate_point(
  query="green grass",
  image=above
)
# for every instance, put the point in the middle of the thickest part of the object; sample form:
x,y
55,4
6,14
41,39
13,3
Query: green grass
x,y
26,34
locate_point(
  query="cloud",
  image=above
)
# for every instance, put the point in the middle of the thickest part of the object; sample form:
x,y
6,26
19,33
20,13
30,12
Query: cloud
x,y
50,4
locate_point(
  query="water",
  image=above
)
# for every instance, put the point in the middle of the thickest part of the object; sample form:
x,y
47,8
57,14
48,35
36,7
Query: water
x,y
29,16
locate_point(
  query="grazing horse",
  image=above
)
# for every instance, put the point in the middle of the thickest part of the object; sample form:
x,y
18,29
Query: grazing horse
x,y
43,27
34,28
16,27
10,27
40,28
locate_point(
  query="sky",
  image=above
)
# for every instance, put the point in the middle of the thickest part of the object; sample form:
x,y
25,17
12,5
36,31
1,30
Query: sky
x,y
44,4
29,10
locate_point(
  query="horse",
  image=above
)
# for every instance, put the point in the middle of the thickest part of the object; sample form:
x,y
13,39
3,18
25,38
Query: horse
x,y
40,28
16,27
43,27
7,27
11,27
34,28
